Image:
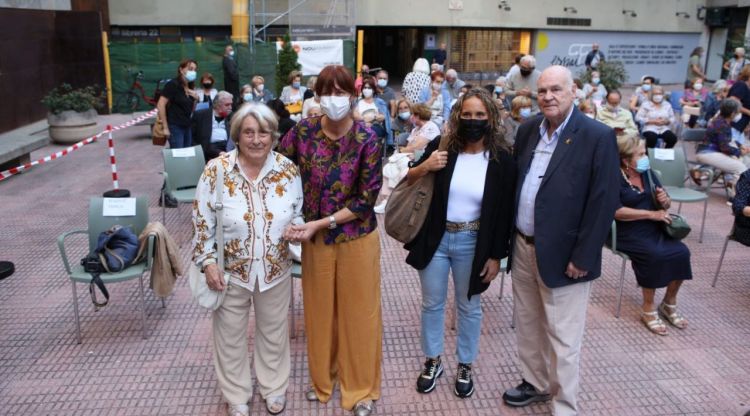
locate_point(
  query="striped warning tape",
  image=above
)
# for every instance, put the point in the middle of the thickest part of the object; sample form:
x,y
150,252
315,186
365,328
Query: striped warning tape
x,y
13,171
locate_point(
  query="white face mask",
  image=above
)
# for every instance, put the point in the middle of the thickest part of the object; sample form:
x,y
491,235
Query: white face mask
x,y
367,92
335,107
260,87
382,82
436,85
658,98
698,86
737,117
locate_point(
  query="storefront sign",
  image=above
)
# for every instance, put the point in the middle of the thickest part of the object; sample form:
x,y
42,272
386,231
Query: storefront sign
x,y
661,55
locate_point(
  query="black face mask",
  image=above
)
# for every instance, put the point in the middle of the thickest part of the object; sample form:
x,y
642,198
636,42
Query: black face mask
x,y
526,72
472,130
207,85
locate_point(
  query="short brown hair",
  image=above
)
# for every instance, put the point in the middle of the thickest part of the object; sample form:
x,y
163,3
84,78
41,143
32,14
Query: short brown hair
x,y
421,111
294,74
436,74
334,77
744,73
209,76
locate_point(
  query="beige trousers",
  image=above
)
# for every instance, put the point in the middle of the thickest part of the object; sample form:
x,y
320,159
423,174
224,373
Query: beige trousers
x,y
341,292
549,330
727,164
271,355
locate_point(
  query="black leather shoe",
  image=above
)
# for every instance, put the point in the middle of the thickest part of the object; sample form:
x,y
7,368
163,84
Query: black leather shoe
x,y
464,383
523,395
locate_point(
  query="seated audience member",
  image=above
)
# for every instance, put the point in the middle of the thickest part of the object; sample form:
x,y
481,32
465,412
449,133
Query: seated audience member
x,y
594,90
385,92
578,93
206,91
309,104
373,111
259,91
285,120
314,111
499,94
713,101
211,126
292,95
401,124
310,92
741,209
616,117
740,90
437,98
246,94
719,150
425,130
588,108
658,260
452,83
656,117
641,93
520,111
692,100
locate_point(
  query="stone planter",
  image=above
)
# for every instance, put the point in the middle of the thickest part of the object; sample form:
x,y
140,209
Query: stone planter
x,y
70,127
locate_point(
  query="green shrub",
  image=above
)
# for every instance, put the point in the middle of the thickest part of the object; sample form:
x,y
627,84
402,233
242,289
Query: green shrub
x,y
611,73
287,63
65,98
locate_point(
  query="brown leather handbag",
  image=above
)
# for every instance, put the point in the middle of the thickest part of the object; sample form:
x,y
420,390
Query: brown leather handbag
x,y
408,205
158,138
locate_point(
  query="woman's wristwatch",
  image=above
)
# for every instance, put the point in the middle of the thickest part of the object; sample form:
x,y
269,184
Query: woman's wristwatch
x,y
332,223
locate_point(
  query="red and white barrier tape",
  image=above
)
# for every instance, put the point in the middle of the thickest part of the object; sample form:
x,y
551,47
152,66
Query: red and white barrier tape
x,y
111,145
12,171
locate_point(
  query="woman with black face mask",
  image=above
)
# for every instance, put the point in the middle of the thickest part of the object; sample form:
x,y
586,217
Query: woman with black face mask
x,y
206,91
467,229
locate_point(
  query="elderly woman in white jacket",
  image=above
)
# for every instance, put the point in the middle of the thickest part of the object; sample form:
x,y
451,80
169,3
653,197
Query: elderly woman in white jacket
x,y
262,197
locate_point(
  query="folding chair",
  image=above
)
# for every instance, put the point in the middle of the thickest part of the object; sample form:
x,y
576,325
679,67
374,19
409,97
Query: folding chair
x,y
611,244
182,170
97,223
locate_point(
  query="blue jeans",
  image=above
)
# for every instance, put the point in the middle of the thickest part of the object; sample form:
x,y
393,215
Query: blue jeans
x,y
180,136
456,252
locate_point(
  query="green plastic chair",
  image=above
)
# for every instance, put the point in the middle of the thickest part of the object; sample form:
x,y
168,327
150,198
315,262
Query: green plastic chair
x,y
97,223
673,176
611,244
181,175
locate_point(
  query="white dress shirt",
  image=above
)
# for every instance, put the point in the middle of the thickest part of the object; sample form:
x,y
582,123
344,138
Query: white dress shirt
x,y
218,129
256,213
539,162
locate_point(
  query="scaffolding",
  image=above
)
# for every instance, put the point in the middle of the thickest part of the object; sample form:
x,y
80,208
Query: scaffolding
x,y
304,19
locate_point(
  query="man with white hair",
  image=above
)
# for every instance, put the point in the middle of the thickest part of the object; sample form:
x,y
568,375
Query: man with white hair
x,y
452,83
211,126
566,196
735,65
524,81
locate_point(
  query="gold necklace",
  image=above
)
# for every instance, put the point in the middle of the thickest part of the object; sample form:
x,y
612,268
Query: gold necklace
x,y
633,187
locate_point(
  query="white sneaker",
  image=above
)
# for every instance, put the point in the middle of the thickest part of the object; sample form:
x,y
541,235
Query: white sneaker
x,y
380,208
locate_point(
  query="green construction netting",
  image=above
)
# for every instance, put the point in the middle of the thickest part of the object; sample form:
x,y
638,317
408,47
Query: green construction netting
x,y
159,62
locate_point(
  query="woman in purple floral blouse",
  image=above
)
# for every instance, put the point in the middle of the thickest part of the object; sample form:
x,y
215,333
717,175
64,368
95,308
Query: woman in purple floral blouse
x,y
340,163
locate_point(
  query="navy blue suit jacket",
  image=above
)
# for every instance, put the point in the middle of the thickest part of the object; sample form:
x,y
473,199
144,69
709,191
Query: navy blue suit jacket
x,y
577,198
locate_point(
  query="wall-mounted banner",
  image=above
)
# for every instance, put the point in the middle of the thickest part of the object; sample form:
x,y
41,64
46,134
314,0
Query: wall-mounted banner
x,y
314,55
661,55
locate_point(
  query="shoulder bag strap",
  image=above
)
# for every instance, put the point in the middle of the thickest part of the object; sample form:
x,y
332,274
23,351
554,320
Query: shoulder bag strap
x,y
219,205
652,189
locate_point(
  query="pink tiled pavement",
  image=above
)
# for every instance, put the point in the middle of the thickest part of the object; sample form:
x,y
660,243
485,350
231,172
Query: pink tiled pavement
x,y
625,370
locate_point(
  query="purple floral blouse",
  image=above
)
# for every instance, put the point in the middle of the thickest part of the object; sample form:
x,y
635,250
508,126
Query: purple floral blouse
x,y
337,174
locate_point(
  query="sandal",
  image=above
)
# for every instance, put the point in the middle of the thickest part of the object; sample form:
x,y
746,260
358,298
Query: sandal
x,y
675,319
238,410
275,404
696,175
363,408
655,325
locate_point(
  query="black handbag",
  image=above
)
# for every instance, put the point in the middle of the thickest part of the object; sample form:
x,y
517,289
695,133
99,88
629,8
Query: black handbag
x,y
115,250
742,230
679,227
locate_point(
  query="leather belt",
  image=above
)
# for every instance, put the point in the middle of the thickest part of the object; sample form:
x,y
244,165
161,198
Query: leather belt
x,y
527,239
454,227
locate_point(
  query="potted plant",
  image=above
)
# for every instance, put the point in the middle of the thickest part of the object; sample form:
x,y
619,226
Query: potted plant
x,y
72,113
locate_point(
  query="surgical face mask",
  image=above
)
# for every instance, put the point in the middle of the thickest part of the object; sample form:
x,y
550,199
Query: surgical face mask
x,y
498,89
525,112
642,164
737,117
247,97
436,85
658,99
697,86
382,82
367,92
335,107
646,87
260,87
191,75
404,115
295,85
472,130
231,53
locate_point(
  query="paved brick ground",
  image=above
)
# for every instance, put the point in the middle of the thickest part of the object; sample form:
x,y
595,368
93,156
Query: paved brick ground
x,y
625,371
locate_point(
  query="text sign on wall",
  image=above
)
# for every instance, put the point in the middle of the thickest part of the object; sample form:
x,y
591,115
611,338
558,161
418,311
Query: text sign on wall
x,y
314,55
662,55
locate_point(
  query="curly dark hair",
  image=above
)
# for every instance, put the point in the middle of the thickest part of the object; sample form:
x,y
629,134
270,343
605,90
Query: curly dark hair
x,y
494,140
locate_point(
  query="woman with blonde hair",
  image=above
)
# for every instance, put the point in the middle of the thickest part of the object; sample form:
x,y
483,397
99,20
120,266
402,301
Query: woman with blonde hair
x,y
520,111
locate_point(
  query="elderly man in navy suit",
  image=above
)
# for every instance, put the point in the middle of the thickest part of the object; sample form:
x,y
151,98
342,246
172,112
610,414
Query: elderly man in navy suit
x,y
567,193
